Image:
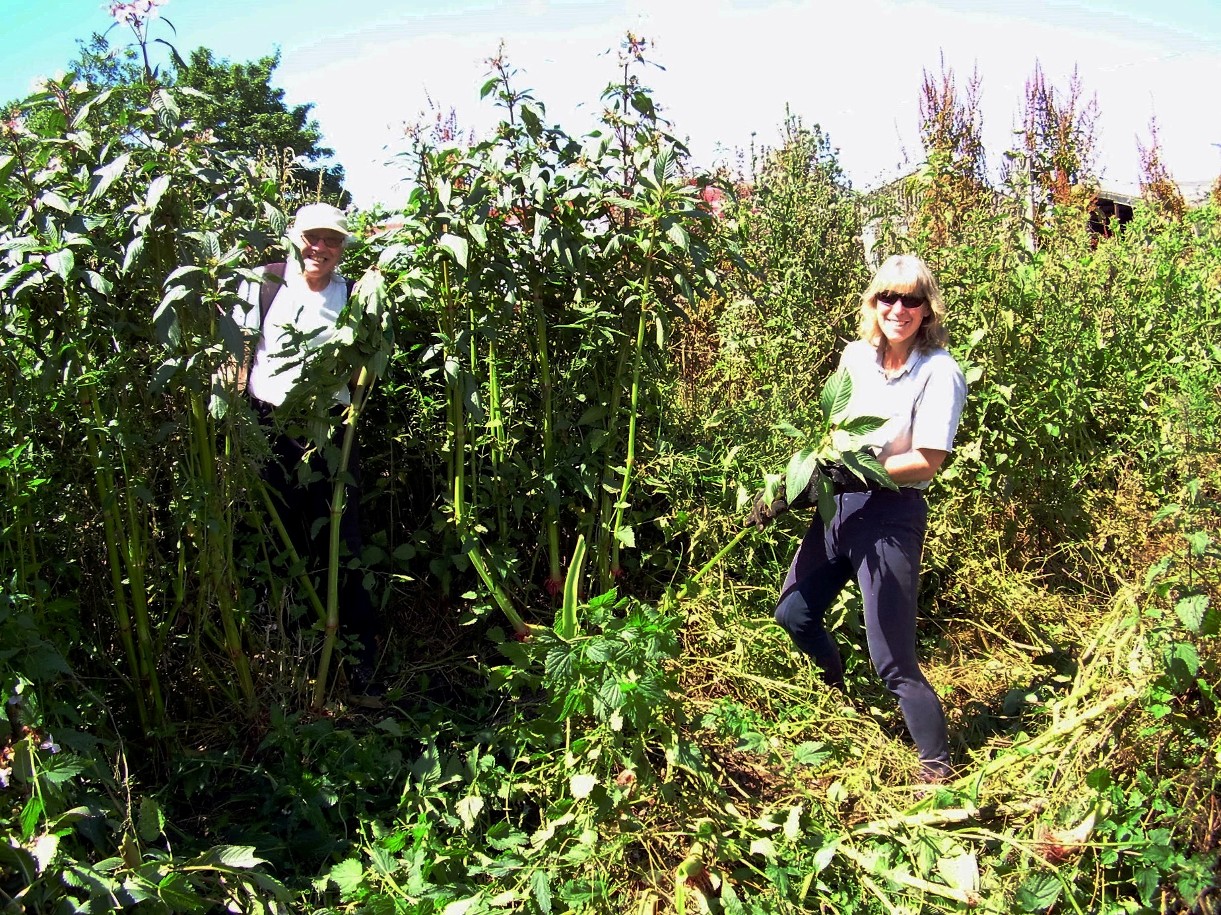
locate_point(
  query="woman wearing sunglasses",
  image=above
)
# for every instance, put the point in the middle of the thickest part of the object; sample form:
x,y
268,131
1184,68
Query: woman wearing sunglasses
x,y
901,371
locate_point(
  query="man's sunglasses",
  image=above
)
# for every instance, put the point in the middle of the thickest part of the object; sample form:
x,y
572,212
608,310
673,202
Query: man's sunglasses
x,y
906,299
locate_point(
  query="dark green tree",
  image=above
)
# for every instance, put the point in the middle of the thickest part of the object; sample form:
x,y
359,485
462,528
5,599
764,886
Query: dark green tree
x,y
248,114
235,104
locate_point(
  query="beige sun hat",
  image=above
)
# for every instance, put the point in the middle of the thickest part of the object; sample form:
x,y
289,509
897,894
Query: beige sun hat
x,y
315,216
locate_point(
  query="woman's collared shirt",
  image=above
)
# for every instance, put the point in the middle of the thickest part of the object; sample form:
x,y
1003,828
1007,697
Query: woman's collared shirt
x,y
921,403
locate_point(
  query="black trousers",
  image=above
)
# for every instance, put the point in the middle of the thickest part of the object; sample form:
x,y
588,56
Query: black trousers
x,y
305,510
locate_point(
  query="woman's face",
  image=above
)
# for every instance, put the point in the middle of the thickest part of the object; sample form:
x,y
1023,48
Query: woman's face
x,y
900,316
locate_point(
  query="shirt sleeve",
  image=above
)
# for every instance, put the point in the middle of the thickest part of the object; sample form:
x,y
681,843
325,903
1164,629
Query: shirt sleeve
x,y
939,407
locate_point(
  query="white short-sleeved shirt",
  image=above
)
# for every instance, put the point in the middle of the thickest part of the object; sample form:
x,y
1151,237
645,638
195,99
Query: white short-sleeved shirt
x,y
921,403
296,310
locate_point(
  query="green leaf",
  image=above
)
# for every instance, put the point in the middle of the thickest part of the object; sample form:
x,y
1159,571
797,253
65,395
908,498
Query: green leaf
x,y
540,886
238,857
55,202
151,821
62,263
468,810
30,815
105,176
811,753
456,247
1191,611
790,430
61,768
862,425
1038,892
131,256
960,871
156,190
582,784
865,465
802,466
826,501
836,394
178,894
626,536
679,236
347,876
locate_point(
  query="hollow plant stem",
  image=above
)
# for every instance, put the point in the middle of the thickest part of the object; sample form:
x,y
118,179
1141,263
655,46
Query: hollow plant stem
x,y
338,501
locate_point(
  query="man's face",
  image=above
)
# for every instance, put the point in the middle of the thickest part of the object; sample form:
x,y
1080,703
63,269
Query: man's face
x,y
321,250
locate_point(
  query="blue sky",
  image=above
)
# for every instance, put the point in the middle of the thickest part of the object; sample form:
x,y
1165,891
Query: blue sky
x,y
730,67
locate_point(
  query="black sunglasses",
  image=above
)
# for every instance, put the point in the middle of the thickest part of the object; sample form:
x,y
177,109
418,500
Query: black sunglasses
x,y
906,299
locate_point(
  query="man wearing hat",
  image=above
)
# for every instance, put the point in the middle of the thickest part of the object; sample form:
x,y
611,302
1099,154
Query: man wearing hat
x,y
294,308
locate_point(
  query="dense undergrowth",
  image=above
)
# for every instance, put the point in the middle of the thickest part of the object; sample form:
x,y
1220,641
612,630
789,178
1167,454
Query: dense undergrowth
x,y
581,351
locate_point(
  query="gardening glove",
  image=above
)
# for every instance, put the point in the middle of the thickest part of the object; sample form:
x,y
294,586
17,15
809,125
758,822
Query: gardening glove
x,y
764,511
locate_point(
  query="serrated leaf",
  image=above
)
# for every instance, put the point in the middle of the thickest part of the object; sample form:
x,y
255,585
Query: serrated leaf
x,y
582,784
58,769
960,871
178,894
824,856
540,887
765,847
862,425
836,394
131,256
802,466
43,849
792,823
30,815
1038,892
866,465
811,753
347,876
826,501
468,810
1191,611
238,857
55,202
151,820
626,536
156,190
62,263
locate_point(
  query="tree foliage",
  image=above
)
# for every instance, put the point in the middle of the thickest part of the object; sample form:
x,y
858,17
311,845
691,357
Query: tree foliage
x,y
248,114
235,105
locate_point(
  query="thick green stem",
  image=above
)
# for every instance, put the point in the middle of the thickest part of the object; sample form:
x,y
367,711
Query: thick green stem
x,y
724,551
111,526
500,439
338,500
551,519
630,459
606,508
214,550
455,416
286,541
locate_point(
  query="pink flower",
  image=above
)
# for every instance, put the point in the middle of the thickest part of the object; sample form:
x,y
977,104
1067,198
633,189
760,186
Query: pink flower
x,y
135,12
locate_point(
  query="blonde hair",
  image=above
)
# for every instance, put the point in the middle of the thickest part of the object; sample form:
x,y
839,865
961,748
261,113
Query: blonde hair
x,y
906,274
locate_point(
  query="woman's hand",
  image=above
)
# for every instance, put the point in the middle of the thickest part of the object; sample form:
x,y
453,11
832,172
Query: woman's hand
x,y
764,511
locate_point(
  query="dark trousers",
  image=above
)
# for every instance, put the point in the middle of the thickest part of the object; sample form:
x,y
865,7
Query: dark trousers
x,y
305,510
878,537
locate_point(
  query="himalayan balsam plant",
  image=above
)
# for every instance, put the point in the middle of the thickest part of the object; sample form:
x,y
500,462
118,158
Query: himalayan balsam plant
x,y
840,438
